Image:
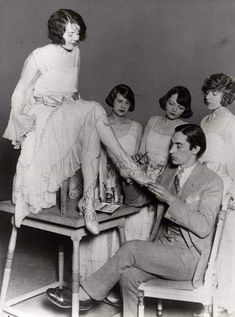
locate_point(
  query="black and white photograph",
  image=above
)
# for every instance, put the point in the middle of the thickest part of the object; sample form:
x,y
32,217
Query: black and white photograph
x,y
117,158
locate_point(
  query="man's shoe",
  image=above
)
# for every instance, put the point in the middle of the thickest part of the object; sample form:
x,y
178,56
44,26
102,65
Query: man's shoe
x,y
113,299
62,297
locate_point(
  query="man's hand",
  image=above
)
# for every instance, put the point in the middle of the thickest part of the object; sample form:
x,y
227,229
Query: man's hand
x,y
161,193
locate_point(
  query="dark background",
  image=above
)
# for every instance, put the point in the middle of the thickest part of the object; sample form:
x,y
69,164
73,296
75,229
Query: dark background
x,y
150,45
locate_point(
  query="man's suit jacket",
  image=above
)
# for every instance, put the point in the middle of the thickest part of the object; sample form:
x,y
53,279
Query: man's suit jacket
x,y
194,210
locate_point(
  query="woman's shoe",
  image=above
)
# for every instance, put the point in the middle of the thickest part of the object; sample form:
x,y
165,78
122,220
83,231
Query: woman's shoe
x,y
137,174
90,218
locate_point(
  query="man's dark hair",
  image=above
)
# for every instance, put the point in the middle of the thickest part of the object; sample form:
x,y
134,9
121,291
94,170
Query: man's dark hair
x,y
195,136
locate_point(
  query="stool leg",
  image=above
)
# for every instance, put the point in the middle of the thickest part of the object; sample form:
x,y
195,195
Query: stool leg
x,y
8,265
140,304
159,308
63,196
75,279
61,264
121,230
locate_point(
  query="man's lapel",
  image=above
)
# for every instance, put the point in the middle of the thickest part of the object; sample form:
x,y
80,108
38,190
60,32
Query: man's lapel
x,y
167,180
192,183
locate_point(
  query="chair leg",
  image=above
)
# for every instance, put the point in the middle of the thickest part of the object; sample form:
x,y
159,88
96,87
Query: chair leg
x,y
8,265
75,279
63,196
159,307
61,264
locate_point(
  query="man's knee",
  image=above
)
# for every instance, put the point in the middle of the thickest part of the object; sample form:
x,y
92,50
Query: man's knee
x,y
129,279
130,246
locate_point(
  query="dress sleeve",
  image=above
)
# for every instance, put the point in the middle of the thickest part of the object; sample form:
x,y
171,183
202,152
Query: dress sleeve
x,y
139,132
230,154
19,122
147,129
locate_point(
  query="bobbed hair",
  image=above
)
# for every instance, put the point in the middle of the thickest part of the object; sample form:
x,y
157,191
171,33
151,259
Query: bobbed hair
x,y
195,136
57,23
125,91
222,83
183,98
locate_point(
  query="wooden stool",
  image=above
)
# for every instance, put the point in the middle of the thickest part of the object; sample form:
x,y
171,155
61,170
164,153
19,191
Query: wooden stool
x,y
70,224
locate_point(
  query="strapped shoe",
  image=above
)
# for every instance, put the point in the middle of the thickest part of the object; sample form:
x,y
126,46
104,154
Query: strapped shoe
x,y
90,218
62,297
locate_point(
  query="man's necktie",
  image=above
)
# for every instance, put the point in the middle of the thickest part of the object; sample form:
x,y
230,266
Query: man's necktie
x,y
177,180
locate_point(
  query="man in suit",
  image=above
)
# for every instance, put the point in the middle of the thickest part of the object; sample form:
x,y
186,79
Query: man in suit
x,y
189,197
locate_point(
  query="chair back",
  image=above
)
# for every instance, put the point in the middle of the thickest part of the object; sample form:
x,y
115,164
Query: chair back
x,y
210,274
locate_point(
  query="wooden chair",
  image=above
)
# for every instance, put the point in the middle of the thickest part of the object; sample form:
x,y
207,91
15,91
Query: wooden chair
x,y
183,290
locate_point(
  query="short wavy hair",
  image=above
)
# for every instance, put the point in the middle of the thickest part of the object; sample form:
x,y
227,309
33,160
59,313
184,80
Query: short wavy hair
x,y
57,23
125,91
183,98
222,83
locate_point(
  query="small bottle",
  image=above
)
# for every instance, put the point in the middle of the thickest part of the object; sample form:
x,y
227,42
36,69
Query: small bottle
x,y
109,194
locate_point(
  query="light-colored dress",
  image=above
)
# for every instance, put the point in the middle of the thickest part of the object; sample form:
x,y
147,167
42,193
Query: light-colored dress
x,y
156,142
220,157
56,132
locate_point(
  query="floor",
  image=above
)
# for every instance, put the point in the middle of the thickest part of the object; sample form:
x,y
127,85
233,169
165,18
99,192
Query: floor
x,y
35,265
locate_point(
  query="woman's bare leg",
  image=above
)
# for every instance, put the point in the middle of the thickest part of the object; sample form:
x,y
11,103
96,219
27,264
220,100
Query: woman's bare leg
x,y
76,185
126,166
90,166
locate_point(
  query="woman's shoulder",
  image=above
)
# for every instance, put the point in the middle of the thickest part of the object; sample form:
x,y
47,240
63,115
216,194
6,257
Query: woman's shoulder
x,y
45,49
136,124
153,119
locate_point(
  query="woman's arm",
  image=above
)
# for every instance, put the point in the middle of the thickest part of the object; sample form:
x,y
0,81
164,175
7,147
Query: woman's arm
x,y
20,123
28,76
146,134
139,132
76,95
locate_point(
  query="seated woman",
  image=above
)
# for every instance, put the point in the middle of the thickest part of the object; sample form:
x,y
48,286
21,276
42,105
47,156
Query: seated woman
x,y
154,148
176,104
58,133
128,132
219,128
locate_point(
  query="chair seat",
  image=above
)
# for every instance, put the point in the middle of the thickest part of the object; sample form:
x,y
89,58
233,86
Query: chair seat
x,y
160,282
174,290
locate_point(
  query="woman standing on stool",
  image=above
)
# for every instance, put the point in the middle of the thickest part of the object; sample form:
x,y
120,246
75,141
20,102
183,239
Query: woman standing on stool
x,y
57,131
